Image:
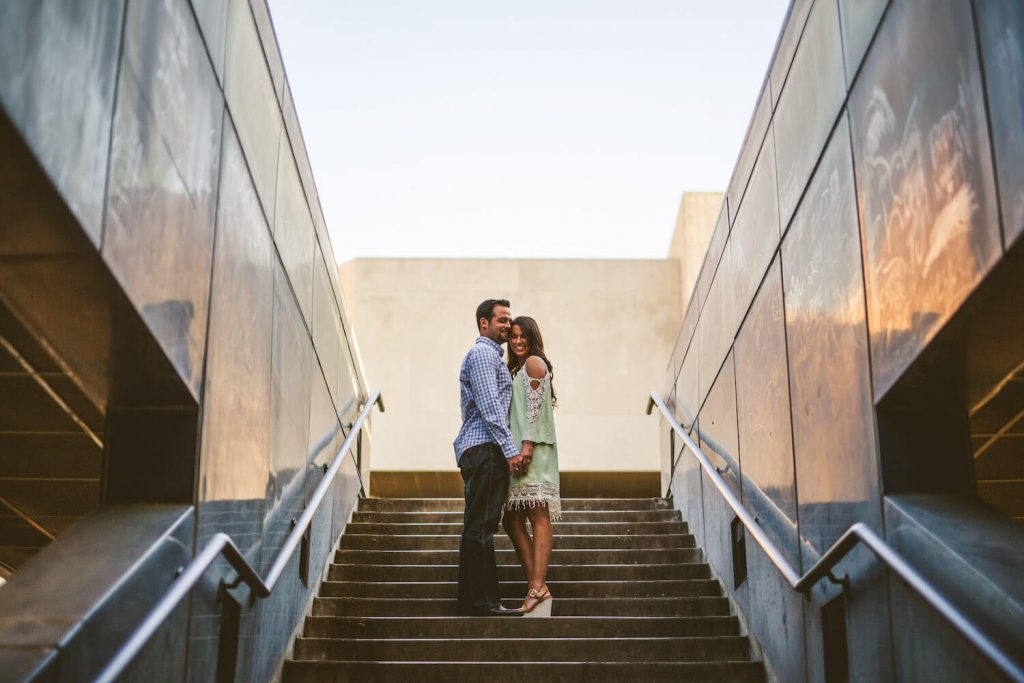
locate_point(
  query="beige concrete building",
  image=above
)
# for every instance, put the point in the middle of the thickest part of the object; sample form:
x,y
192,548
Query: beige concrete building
x,y
605,329
609,326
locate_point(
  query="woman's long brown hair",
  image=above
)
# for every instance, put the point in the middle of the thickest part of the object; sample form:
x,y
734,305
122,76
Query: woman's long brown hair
x,y
536,348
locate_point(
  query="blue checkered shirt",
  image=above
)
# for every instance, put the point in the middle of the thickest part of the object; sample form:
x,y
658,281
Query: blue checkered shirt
x,y
486,393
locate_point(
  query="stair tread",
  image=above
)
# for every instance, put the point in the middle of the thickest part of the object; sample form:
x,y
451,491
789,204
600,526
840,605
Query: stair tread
x,y
602,639
504,556
707,649
733,672
551,584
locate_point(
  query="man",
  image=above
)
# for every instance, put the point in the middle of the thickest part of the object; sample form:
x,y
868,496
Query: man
x,y
485,453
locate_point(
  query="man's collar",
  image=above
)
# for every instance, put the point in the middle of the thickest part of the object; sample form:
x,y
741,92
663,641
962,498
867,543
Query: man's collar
x,y
495,345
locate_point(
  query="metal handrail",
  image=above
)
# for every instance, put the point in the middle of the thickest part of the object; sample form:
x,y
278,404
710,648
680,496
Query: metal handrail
x,y
857,533
222,544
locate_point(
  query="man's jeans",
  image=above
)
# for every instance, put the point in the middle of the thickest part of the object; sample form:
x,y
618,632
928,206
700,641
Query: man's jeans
x,y
485,472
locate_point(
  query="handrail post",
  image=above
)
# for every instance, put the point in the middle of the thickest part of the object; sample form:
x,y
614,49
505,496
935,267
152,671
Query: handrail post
x,y
359,464
671,460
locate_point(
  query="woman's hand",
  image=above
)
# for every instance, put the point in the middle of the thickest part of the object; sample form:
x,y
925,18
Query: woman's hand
x,y
518,464
527,454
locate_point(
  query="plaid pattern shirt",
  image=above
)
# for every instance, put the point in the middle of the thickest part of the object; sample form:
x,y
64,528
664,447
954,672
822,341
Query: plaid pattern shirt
x,y
486,393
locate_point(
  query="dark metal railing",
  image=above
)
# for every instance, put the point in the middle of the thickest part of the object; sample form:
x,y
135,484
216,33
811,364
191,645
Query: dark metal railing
x,y
857,533
222,544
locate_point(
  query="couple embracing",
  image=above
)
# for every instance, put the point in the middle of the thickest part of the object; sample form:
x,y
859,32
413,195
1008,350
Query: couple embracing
x,y
508,458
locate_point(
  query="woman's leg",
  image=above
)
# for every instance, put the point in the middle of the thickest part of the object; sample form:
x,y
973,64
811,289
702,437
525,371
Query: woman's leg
x,y
514,522
542,542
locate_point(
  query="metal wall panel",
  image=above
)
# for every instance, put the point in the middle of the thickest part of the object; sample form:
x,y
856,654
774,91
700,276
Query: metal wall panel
x,y
289,418
237,398
687,490
719,440
235,453
716,327
945,659
58,71
762,399
971,553
755,234
162,195
347,399
325,324
924,178
748,152
787,46
164,51
348,485
809,104
298,147
686,338
775,615
212,16
293,232
716,247
687,402
859,19
869,632
833,419
1001,29
717,542
252,101
261,13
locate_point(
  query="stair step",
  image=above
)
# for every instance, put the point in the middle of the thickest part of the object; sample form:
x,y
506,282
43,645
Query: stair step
x,y
570,607
509,572
628,556
457,504
561,529
713,649
634,600
518,671
517,589
568,516
484,627
501,542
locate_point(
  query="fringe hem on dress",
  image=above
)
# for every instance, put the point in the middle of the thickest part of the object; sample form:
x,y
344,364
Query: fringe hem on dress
x,y
531,495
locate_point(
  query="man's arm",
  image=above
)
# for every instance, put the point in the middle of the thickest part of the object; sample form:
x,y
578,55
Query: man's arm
x,y
484,385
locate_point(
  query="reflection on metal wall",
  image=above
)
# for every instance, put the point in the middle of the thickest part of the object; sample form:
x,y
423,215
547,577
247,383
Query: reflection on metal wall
x,y
165,184
924,179
865,208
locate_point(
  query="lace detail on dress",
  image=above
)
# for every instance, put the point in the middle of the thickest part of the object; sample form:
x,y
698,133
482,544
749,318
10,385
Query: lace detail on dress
x,y
531,494
534,397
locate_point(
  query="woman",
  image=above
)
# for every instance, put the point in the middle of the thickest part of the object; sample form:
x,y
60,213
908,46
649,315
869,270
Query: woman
x,y
533,490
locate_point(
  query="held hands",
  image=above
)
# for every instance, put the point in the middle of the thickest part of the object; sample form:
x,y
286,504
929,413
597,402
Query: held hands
x,y
520,464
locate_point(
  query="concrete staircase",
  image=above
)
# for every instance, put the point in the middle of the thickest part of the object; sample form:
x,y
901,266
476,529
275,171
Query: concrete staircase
x,y
633,601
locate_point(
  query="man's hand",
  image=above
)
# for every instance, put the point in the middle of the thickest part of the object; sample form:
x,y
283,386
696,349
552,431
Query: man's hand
x,y
519,464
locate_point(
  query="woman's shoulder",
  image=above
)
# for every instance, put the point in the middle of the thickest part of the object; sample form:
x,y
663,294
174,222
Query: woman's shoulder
x,y
535,367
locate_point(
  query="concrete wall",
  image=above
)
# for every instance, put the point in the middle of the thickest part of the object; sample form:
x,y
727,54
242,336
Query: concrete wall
x,y
608,327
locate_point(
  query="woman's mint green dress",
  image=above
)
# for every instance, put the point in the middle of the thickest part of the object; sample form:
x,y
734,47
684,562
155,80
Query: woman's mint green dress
x,y
532,419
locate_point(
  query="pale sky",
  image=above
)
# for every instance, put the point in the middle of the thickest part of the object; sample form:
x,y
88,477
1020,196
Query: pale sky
x,y
520,128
